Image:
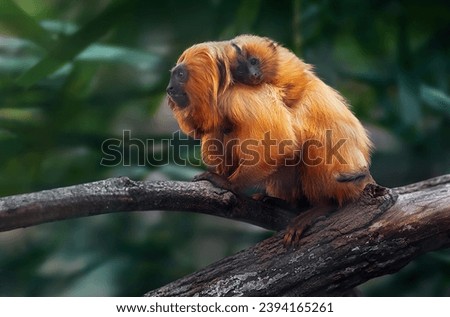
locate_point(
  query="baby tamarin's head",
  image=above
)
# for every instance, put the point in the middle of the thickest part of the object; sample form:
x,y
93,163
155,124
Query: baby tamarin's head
x,y
257,60
254,59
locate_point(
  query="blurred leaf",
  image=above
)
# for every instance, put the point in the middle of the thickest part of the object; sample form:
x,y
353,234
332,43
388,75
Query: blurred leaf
x,y
245,18
247,14
408,95
435,98
371,78
5,135
20,23
443,257
18,54
16,64
144,61
68,47
61,27
104,53
20,115
99,281
16,44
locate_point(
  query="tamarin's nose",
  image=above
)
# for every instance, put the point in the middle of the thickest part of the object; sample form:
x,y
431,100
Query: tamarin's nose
x,y
169,89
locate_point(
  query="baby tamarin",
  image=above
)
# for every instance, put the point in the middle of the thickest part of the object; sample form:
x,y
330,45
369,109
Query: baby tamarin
x,y
265,119
259,59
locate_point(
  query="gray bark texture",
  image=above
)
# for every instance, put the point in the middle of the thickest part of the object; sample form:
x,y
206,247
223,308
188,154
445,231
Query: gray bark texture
x,y
379,234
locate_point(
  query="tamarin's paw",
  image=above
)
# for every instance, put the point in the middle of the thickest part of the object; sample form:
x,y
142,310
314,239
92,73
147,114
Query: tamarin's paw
x,y
293,233
215,179
302,222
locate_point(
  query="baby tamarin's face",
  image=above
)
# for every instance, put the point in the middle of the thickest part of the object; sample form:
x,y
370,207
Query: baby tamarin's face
x,y
245,68
254,60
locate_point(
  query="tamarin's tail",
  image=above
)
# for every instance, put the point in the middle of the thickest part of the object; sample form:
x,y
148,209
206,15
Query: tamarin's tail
x,y
354,177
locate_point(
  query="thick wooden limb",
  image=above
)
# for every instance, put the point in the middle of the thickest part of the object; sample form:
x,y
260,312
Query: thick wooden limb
x,y
378,235
122,194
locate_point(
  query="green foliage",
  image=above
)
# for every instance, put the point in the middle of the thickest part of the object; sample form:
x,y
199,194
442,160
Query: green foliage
x,y
74,74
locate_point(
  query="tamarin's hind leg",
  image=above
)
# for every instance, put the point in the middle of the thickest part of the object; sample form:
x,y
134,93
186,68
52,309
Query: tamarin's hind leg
x,y
303,221
348,187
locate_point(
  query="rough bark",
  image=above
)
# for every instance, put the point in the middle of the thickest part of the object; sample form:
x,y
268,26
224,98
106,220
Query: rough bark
x,y
122,194
378,235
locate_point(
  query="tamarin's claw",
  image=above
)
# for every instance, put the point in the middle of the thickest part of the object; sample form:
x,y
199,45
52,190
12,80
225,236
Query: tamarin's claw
x,y
293,234
302,222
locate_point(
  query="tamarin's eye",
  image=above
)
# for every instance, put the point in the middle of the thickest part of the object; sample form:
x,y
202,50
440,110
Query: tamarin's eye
x,y
253,61
181,75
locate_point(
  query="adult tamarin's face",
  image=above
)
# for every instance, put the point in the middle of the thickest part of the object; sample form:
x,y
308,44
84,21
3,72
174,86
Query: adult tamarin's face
x,y
200,75
176,90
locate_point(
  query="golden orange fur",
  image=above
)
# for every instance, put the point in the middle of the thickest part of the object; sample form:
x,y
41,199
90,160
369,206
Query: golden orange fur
x,y
320,114
318,149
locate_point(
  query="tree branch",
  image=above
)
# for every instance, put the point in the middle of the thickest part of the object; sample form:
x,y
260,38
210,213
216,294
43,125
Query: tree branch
x,y
122,194
377,235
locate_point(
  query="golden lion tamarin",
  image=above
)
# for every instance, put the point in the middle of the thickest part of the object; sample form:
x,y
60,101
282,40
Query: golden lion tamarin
x,y
276,126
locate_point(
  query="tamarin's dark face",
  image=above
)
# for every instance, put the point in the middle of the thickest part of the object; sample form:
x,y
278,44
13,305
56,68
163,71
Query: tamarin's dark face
x,y
246,69
176,90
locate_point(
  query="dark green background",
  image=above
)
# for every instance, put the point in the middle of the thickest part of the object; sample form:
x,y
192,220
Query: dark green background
x,y
75,73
